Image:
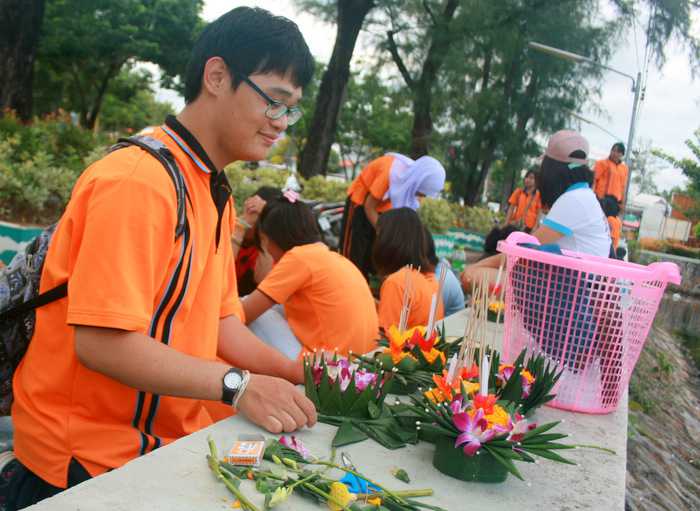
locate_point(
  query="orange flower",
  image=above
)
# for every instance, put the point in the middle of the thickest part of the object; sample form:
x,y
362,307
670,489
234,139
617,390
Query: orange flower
x,y
472,372
485,402
527,375
431,355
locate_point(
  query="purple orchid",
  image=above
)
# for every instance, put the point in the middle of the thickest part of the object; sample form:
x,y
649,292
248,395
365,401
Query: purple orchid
x,y
294,444
363,379
474,430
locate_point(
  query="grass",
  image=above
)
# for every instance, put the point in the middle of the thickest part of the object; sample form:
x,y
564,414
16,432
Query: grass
x,y
691,341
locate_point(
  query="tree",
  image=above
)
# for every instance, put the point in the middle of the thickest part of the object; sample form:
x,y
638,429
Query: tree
x,y
439,36
350,16
86,43
130,103
513,95
375,119
691,169
20,22
646,167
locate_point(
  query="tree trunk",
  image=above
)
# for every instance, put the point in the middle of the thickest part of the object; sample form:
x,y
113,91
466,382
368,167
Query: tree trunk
x,y
20,21
90,117
331,93
440,42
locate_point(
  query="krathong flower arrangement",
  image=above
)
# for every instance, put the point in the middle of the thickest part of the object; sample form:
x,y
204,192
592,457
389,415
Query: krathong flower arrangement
x,y
289,468
478,438
527,382
352,398
412,355
495,311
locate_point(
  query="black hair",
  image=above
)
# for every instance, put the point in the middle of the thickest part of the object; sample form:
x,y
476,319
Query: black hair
x,y
492,238
400,241
250,41
288,224
430,252
619,146
531,172
268,193
556,176
609,205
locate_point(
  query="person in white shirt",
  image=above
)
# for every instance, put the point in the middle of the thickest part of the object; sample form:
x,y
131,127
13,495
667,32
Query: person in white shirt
x,y
575,220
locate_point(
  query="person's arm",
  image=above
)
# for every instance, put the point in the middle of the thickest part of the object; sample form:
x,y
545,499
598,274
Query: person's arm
x,y
473,272
255,304
240,347
509,216
371,205
237,239
140,362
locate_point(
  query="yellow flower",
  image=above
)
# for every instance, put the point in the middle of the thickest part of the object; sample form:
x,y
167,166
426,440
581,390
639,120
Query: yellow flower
x,y
499,416
497,306
472,387
341,496
376,501
527,375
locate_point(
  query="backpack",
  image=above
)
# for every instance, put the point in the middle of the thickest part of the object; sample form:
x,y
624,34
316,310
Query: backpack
x,y
19,281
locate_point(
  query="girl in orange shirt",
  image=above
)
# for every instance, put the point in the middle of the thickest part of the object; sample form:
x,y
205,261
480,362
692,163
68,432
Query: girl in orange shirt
x,y
313,298
401,242
390,181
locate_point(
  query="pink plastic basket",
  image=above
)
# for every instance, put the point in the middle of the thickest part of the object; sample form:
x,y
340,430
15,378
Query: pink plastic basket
x,y
589,315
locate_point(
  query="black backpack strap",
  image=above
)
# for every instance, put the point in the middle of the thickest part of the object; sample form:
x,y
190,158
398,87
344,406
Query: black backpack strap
x,y
160,152
47,297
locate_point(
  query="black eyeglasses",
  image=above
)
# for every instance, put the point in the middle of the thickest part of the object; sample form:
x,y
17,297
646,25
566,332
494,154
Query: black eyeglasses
x,y
275,109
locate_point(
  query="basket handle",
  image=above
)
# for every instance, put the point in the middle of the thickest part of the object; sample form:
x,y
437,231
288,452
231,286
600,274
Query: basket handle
x,y
516,238
667,271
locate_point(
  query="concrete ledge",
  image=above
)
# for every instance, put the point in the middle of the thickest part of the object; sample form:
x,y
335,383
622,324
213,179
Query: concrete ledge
x,y
176,477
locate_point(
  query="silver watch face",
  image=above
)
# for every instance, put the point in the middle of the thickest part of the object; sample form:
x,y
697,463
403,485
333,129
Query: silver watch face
x,y
233,380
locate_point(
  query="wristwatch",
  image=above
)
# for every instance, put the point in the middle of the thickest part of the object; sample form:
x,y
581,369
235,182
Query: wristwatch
x,y
232,383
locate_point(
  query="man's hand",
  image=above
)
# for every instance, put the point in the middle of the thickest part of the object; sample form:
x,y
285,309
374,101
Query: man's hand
x,y
276,405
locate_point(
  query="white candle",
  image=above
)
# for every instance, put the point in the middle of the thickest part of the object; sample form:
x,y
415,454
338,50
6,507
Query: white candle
x,y
484,376
451,369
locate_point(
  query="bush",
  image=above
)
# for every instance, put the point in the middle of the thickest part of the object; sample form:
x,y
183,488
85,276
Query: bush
x,y
437,215
39,164
476,219
326,190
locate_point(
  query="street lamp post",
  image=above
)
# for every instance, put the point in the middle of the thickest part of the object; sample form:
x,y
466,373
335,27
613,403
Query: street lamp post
x,y
636,88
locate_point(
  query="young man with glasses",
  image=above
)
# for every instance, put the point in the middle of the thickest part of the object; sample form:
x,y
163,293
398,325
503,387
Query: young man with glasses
x,y
128,360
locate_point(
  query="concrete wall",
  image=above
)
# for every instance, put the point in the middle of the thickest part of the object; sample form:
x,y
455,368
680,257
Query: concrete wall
x,y
690,268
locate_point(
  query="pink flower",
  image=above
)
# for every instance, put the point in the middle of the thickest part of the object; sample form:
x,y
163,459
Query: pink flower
x,y
519,428
474,430
505,371
363,379
457,405
294,444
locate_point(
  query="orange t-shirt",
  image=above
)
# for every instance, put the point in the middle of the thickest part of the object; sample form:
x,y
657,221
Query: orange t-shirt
x,y
525,206
391,298
115,244
326,299
610,179
374,179
615,230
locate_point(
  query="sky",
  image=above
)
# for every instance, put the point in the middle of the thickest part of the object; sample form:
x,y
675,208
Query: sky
x,y
669,114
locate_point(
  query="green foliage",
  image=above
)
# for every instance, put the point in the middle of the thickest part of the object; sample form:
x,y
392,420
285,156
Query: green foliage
x,y
130,104
39,164
437,215
320,188
691,170
245,181
476,219
375,119
85,44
